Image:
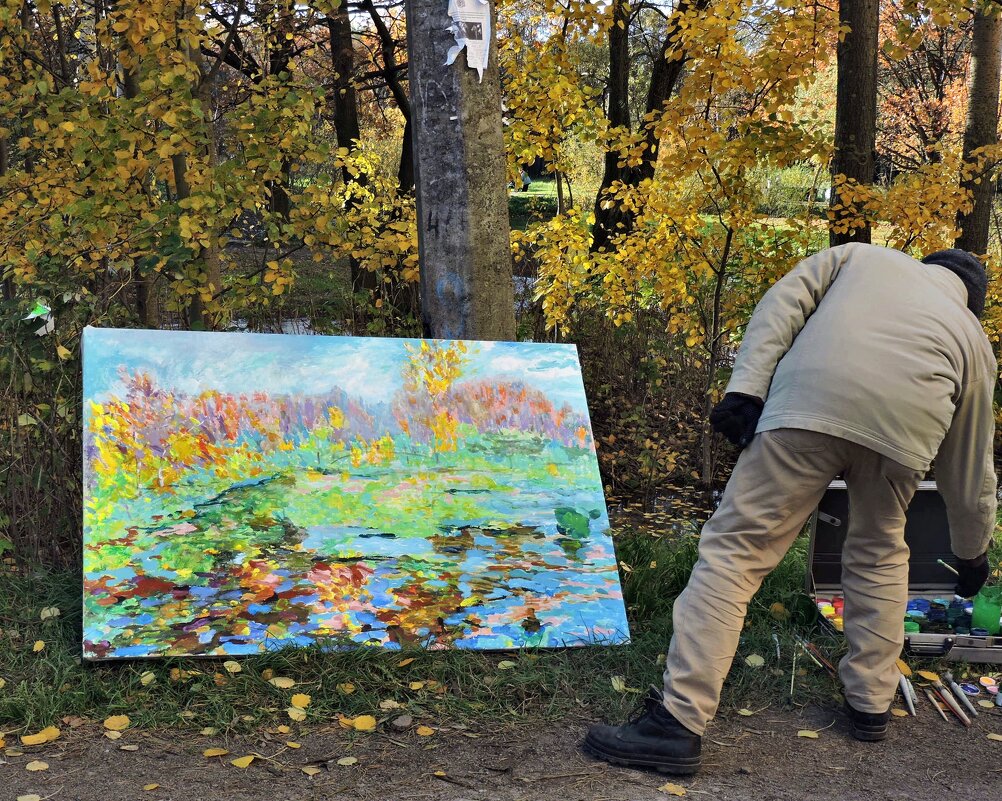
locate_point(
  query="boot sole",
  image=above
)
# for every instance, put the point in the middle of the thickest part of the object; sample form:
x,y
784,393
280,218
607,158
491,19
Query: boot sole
x,y
869,735
681,767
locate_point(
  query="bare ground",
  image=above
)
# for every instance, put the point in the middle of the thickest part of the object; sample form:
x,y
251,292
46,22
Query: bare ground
x,y
758,757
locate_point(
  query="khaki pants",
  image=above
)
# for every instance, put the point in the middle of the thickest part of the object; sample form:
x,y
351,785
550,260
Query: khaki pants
x,y
776,485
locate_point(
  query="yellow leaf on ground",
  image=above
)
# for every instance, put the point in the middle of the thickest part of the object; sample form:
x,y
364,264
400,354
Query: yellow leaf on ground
x,y
232,667
291,744
416,685
29,797
928,675
296,714
267,674
147,679
209,731
3,683
346,761
672,789
3,742
388,705
302,700
282,682
214,752
283,729
364,723
618,684
242,762
49,612
425,731
405,662
46,735
754,660
986,704
36,765
347,688
745,713
506,664
997,737
808,733
899,713
309,770
128,748
117,723
149,787
38,646
113,735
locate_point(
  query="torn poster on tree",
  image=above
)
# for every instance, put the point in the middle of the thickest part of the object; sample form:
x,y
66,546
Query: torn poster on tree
x,y
244,492
471,25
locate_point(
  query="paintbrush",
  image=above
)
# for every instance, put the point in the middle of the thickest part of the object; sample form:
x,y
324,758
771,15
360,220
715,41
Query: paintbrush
x,y
903,685
951,568
907,673
945,695
932,700
961,695
819,658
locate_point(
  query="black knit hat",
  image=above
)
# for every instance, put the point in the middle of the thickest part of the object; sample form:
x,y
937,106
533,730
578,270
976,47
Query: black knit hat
x,y
969,270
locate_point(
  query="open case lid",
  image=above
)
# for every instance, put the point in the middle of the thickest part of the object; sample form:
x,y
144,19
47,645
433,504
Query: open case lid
x,y
927,533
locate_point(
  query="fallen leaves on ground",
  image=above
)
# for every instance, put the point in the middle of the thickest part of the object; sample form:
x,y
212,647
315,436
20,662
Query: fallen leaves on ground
x,y
362,723
49,613
405,662
242,762
779,612
986,704
997,737
296,714
346,761
745,713
416,685
424,731
754,660
810,734
117,723
309,770
232,667
282,682
506,664
618,684
672,789
301,700
147,679
113,735
214,752
46,735
128,748
291,744
209,731
347,688
149,787
389,704
899,713
38,646
29,797
36,765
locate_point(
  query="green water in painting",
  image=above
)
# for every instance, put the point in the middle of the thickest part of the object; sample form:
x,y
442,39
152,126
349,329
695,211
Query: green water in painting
x,y
494,553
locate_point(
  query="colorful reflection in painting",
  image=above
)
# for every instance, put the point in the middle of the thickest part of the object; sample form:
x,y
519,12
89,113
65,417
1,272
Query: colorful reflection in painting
x,y
250,491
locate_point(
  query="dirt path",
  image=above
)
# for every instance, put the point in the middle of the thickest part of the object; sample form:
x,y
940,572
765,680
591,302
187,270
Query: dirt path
x,y
757,757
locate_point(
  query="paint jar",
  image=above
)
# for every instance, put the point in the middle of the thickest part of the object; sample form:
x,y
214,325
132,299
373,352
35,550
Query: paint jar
x,y
961,630
918,605
838,623
911,627
979,632
987,609
839,604
828,611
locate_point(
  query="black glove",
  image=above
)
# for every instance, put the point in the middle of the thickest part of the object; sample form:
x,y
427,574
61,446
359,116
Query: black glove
x,y
973,573
736,417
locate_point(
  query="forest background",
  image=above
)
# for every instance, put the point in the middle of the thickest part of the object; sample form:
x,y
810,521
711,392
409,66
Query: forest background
x,y
249,166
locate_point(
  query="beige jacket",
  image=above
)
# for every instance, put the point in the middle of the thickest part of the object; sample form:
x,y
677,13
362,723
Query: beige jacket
x,y
868,344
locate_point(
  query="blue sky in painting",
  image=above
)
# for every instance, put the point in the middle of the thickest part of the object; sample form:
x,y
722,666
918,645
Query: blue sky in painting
x,y
368,368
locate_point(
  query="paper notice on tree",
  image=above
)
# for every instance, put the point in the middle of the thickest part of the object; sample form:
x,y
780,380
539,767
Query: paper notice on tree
x,y
471,25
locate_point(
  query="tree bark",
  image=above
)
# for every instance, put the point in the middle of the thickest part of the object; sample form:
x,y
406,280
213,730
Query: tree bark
x,y
855,109
982,128
462,198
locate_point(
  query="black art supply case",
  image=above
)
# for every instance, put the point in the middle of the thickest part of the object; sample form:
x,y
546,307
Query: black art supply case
x,y
927,533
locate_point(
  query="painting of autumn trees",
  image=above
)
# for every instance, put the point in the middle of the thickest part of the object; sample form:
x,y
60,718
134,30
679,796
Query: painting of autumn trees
x,y
246,492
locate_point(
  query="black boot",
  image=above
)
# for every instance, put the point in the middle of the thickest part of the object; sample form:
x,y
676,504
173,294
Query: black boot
x,y
868,726
651,739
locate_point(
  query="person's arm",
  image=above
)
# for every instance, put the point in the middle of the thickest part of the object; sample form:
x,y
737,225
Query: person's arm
x,y
965,470
779,317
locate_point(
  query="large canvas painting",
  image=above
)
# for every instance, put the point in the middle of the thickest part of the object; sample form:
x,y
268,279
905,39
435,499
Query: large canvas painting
x,y
252,491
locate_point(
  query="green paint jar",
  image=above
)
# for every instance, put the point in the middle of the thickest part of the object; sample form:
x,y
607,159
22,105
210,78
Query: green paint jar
x,y
987,609
911,627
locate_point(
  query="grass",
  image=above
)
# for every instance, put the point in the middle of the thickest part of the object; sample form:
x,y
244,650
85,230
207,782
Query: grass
x,y
43,687
538,202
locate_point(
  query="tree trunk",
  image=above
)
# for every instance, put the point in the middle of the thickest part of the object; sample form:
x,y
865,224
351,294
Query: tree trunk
x,y
462,199
855,109
982,128
609,217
